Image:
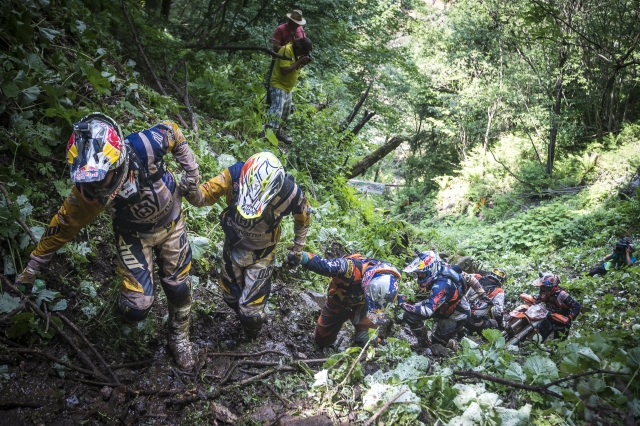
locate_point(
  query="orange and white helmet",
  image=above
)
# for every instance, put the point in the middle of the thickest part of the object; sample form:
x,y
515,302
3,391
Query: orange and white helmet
x,y
261,178
95,148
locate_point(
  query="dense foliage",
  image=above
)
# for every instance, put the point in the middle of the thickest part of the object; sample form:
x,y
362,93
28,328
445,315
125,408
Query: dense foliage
x,y
520,135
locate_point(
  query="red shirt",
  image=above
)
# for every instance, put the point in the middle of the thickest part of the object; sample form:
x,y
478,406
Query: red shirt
x,y
283,34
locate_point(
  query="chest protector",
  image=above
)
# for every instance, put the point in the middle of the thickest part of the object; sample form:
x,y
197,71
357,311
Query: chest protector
x,y
446,309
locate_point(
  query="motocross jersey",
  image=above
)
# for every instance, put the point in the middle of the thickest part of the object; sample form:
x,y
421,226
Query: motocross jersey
x,y
447,296
263,231
561,302
347,274
148,200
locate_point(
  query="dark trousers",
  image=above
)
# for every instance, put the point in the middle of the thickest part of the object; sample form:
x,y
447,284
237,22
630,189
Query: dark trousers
x,y
559,330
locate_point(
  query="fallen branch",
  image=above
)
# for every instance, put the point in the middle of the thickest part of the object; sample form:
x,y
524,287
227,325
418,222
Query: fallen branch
x,y
94,383
132,364
277,395
228,373
539,389
19,220
81,354
383,408
86,341
263,375
248,354
52,358
588,373
146,60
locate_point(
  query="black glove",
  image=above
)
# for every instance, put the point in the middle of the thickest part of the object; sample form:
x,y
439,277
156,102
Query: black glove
x,y
187,185
294,258
485,298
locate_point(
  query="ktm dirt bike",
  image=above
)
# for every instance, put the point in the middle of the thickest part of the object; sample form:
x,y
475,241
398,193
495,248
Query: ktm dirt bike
x,y
523,322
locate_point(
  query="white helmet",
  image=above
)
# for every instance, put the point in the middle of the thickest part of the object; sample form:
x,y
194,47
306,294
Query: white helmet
x,y
261,178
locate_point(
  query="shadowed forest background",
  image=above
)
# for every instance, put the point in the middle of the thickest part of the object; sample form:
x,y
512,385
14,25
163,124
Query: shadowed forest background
x,y
505,131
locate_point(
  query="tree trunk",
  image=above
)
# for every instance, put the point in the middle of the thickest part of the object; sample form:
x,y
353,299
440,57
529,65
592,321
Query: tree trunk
x,y
166,8
361,166
551,149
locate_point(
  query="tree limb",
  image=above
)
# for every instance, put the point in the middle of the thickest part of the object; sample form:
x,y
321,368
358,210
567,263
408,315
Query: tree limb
x,y
355,109
384,408
361,166
539,389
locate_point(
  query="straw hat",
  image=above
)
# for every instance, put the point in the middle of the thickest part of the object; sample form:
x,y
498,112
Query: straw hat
x,y
296,16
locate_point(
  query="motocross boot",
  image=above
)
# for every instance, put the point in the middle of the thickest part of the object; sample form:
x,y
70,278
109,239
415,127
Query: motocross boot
x,y
179,344
423,335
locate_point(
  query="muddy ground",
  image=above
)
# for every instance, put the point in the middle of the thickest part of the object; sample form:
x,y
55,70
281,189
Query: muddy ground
x,y
267,389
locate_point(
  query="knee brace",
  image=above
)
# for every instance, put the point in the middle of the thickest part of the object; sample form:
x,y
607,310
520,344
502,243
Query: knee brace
x,y
132,313
177,294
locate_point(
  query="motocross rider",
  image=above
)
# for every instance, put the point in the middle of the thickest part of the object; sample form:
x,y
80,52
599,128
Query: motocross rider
x,y
259,195
128,178
487,313
447,303
359,290
557,301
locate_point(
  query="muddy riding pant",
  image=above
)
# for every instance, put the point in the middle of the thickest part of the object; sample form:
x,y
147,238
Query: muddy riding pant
x,y
246,283
334,314
443,328
136,250
559,330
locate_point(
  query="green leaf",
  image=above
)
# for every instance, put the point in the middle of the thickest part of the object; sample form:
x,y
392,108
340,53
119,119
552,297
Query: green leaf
x,y
10,89
29,95
23,323
633,357
58,305
80,26
540,369
46,296
491,334
8,303
199,246
515,373
48,33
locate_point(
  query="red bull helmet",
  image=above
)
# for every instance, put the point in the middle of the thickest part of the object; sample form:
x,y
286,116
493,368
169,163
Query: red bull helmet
x,y
98,157
426,266
547,282
261,179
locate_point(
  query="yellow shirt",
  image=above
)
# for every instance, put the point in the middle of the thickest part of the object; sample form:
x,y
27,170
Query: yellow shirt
x,y
285,82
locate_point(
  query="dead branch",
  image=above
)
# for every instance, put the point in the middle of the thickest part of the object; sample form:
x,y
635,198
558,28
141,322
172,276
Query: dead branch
x,y
539,389
194,398
131,364
86,341
263,375
248,354
588,373
383,409
361,166
228,373
355,109
52,358
94,383
81,354
19,220
234,48
146,60
368,115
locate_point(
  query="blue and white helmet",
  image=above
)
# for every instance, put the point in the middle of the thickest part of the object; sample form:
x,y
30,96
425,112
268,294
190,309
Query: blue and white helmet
x,y
380,291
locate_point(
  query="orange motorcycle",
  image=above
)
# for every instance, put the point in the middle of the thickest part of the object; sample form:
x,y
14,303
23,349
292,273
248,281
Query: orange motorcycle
x,y
523,322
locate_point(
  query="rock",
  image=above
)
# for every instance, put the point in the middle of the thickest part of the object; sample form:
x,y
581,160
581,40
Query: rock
x,y
319,298
319,420
223,414
439,350
263,414
308,303
105,393
72,401
119,395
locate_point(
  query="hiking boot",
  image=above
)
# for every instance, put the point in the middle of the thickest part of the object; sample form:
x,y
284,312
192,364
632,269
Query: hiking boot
x,y
423,335
251,334
453,345
179,344
282,137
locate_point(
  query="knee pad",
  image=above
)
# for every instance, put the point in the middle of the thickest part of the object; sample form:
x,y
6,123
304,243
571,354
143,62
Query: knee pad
x,y
132,313
177,294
